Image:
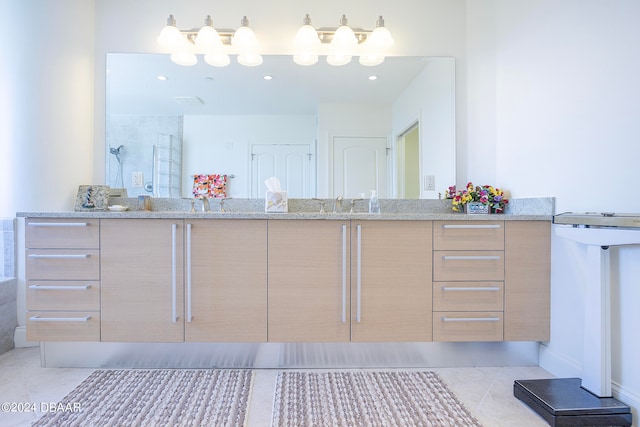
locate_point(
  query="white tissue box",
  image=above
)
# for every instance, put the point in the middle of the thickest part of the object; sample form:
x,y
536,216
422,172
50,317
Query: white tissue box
x,y
276,202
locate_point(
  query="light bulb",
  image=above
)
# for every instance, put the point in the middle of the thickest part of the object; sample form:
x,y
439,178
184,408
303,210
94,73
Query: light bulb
x,y
208,38
342,45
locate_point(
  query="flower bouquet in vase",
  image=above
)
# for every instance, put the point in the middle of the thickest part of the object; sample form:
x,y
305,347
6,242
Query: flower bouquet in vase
x,y
477,199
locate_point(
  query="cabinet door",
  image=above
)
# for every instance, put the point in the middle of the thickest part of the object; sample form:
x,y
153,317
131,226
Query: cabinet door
x,y
226,280
391,281
308,278
142,280
527,280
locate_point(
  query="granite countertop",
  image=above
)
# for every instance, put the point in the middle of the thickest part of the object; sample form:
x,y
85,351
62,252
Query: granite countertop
x,y
536,209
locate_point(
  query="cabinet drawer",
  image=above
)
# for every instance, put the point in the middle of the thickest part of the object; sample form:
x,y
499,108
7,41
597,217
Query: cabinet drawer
x,y
62,264
468,235
63,295
468,265
467,326
468,296
62,233
63,326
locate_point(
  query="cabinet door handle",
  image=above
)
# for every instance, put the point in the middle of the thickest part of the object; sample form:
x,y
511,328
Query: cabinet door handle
x,y
470,288
359,274
174,271
60,287
188,272
471,226
470,257
59,319
344,273
59,224
59,256
470,319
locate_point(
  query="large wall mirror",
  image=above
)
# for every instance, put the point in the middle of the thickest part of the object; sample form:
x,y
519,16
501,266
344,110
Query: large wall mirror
x,y
324,131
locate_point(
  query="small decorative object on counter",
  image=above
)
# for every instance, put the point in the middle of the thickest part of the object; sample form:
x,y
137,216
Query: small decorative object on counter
x,y
210,185
476,199
92,198
374,203
276,200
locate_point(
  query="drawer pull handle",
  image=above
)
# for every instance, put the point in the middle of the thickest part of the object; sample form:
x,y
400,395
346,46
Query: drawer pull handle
x,y
359,276
470,319
471,226
59,319
470,288
471,257
59,256
59,224
174,271
60,287
344,273
189,287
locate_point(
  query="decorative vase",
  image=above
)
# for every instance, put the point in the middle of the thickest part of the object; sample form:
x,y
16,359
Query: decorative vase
x,y
473,208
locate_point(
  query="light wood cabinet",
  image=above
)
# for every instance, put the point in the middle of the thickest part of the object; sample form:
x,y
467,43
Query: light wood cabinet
x,y
527,281
391,281
63,279
491,281
226,280
308,277
142,280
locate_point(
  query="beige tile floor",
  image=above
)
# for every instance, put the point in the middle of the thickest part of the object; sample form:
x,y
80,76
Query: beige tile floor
x,y
486,392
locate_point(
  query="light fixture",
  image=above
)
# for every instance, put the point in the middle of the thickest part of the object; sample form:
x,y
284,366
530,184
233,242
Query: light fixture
x,y
208,42
343,43
244,40
183,45
306,44
376,45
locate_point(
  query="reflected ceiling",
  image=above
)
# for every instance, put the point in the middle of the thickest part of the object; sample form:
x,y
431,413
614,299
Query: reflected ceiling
x,y
133,87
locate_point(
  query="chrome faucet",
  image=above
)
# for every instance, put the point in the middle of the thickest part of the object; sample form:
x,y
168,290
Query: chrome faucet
x,y
337,206
222,206
353,203
205,203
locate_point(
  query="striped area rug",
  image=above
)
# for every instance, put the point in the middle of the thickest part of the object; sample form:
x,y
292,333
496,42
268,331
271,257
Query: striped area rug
x,y
156,397
348,399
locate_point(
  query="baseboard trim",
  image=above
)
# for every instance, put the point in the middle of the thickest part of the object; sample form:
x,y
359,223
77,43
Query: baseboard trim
x,y
20,338
557,364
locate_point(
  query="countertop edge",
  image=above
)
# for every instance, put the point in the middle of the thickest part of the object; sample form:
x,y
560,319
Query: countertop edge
x,y
288,216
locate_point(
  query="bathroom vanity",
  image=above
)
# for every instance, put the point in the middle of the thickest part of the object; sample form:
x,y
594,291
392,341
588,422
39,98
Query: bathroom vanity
x,y
251,279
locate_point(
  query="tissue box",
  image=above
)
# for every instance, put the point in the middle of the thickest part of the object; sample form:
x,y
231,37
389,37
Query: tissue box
x,y
276,202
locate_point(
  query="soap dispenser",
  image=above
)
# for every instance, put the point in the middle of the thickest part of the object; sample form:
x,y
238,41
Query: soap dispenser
x,y
374,204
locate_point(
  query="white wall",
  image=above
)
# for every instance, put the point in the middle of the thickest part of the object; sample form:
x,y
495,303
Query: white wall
x,y
566,125
46,110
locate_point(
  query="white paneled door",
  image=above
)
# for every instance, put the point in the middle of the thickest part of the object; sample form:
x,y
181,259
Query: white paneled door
x,y
290,163
359,166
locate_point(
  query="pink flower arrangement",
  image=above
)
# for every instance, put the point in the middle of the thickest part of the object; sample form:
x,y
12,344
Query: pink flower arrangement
x,y
487,195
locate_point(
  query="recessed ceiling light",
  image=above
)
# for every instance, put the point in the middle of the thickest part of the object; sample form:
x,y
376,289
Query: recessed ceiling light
x,y
161,77
373,77
268,77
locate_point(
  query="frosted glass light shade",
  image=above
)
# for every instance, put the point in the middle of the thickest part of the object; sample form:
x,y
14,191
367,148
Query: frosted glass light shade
x,y
217,59
342,45
371,59
208,39
250,59
244,39
306,45
170,38
380,38
184,58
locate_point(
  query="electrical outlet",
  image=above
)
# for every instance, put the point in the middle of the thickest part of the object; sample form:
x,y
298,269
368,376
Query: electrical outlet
x,y
137,179
429,183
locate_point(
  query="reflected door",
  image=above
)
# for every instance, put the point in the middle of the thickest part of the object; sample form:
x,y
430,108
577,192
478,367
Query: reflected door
x,y
359,166
290,163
